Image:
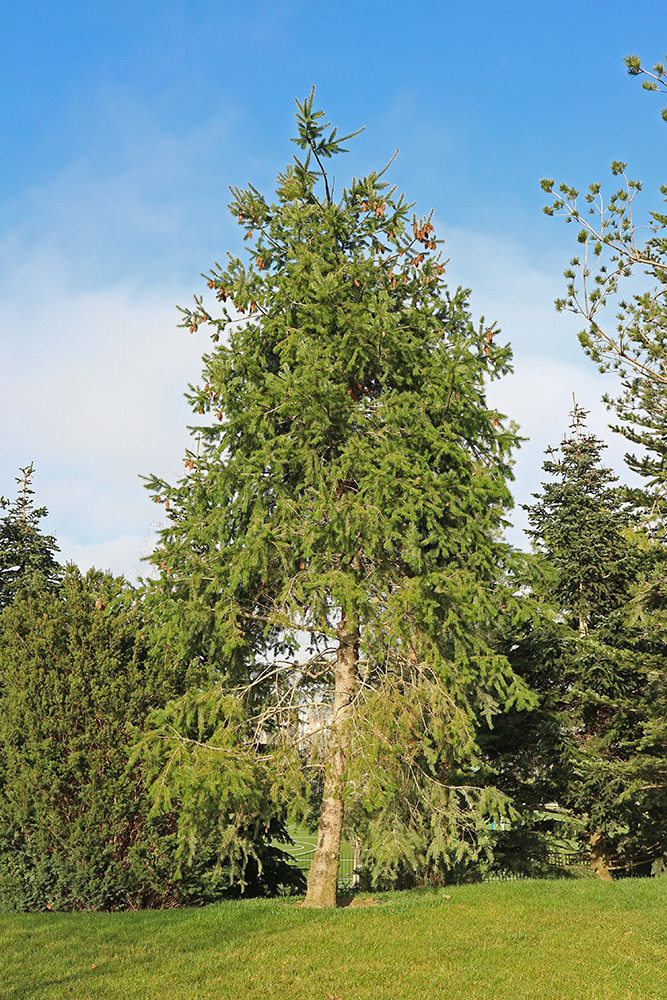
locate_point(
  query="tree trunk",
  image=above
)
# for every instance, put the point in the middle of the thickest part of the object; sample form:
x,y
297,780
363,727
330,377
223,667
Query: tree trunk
x,y
323,875
600,861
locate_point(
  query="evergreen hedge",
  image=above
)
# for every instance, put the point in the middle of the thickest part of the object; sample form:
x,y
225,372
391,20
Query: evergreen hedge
x,y
78,677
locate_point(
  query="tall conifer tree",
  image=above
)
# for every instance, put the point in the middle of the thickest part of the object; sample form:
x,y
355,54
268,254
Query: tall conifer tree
x,y
578,521
337,532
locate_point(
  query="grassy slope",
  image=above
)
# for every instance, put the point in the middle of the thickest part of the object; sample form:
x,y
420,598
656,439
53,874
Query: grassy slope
x,y
531,940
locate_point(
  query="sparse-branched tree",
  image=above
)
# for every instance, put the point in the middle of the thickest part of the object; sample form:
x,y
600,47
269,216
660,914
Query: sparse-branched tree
x,y
622,266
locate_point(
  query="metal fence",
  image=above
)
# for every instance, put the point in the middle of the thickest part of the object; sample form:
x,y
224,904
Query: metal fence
x,y
559,864
562,863
348,878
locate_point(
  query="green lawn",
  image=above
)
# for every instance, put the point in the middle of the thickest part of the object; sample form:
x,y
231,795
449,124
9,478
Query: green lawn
x,y
581,940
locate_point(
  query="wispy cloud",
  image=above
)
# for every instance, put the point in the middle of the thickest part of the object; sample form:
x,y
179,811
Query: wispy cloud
x,y
549,365
92,365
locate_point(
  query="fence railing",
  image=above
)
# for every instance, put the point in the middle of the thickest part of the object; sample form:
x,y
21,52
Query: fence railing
x,y
348,877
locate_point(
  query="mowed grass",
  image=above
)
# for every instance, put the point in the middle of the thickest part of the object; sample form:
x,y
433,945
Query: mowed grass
x,y
581,940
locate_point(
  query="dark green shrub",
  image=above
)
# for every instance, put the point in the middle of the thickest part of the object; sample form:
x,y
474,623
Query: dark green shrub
x,y
78,676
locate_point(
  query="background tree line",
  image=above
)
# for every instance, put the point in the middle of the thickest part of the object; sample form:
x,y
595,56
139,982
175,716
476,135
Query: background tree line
x,y
333,555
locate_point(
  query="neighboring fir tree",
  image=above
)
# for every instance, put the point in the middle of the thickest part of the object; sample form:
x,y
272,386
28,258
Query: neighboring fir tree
x,y
26,555
78,676
596,663
579,522
337,534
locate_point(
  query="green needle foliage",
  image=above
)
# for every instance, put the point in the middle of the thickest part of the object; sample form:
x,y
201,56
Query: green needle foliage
x,y
621,678
78,675
26,555
595,746
333,552
579,522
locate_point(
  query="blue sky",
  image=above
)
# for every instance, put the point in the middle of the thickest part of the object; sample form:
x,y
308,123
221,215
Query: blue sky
x,y
123,126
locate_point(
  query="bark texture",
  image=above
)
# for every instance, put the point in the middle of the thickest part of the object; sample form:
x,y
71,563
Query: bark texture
x,y
323,875
601,862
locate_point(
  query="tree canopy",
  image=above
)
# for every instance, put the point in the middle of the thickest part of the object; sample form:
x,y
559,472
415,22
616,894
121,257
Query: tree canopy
x,y
79,676
74,673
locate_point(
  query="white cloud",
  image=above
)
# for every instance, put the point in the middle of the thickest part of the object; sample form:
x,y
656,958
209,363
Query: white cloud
x,y
512,287
95,400
539,396
549,365
122,555
92,365
106,361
